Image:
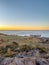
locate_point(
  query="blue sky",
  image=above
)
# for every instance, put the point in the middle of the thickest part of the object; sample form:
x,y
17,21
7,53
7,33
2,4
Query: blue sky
x,y
24,12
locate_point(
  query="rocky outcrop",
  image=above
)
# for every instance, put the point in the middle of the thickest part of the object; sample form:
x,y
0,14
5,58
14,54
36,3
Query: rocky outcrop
x,y
31,53
24,61
31,57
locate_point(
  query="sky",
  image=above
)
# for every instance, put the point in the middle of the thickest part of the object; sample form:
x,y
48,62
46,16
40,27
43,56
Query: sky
x,y
24,14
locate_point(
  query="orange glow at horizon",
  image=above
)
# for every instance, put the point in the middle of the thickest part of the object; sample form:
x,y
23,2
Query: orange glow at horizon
x,y
24,27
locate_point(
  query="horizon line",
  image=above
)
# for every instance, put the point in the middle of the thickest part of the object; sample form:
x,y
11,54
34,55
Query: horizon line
x,y
24,30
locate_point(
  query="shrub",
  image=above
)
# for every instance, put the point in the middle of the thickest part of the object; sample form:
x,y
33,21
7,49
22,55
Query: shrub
x,y
3,50
15,43
25,48
42,49
12,47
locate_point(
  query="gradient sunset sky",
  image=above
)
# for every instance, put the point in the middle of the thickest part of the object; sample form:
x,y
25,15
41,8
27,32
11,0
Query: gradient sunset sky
x,y
24,14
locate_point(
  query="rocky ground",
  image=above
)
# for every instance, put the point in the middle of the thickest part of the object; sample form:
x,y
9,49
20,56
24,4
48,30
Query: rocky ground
x,y
24,50
24,61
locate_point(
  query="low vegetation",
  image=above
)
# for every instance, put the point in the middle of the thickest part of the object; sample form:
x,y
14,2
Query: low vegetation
x,y
12,47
